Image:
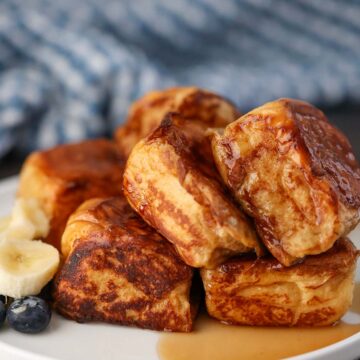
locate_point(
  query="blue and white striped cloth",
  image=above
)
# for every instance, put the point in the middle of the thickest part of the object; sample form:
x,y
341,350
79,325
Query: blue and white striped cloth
x,y
70,68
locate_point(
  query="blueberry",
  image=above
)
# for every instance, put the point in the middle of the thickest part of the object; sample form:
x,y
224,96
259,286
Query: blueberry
x,y
29,314
46,292
2,312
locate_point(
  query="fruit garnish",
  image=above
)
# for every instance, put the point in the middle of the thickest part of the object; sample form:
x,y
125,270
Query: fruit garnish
x,y
27,221
29,315
2,313
26,266
4,223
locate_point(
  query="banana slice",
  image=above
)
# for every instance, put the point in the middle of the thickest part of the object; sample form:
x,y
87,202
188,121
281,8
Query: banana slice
x,y
27,221
26,266
4,223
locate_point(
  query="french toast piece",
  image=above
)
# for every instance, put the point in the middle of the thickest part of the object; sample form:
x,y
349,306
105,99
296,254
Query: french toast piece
x,y
120,270
181,197
63,177
263,292
202,107
294,173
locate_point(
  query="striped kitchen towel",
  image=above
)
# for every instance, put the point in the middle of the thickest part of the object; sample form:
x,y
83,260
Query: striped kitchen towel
x,y
70,68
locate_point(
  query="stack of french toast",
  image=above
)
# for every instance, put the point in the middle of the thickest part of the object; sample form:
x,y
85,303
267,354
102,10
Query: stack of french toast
x,y
260,203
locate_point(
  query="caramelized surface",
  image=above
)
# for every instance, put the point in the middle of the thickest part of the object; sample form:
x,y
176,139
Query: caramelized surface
x,y
204,108
329,151
65,176
263,292
294,174
180,196
120,270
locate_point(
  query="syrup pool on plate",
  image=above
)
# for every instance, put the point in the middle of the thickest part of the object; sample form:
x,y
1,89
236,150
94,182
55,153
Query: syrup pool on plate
x,y
212,340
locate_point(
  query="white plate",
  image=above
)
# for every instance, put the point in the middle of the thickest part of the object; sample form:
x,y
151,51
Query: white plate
x,y
67,340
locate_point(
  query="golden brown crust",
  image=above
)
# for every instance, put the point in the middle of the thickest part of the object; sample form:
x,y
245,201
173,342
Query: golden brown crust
x,y
329,151
65,176
203,107
181,197
294,173
120,270
263,292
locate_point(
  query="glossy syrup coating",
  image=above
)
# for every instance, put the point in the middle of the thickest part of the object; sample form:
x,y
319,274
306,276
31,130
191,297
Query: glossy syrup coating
x,y
202,107
63,177
263,292
168,182
294,173
120,270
